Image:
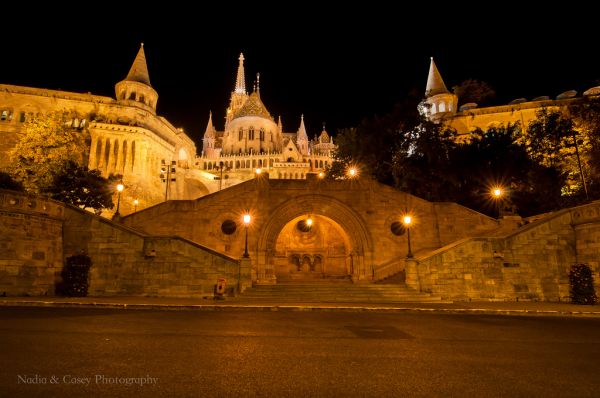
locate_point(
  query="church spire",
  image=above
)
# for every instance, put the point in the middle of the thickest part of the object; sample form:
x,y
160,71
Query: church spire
x,y
240,82
210,128
139,69
302,130
435,84
279,124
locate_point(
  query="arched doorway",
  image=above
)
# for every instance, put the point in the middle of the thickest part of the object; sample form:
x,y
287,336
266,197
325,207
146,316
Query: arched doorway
x,y
312,248
344,231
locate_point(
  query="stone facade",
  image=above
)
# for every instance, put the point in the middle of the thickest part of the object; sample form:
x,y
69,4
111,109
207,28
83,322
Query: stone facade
x,y
441,105
127,136
530,263
37,235
252,140
351,236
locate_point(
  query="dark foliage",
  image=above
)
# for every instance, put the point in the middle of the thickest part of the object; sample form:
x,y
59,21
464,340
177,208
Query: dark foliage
x,y
7,182
75,281
81,187
581,283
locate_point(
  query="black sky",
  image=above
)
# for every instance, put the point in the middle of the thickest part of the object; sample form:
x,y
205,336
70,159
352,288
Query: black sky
x,y
335,66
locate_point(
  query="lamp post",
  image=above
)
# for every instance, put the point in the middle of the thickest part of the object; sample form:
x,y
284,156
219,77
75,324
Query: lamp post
x,y
221,164
247,220
135,203
120,188
407,221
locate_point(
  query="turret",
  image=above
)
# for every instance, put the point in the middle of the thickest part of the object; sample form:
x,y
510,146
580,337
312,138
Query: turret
x,y
135,89
438,102
208,142
302,138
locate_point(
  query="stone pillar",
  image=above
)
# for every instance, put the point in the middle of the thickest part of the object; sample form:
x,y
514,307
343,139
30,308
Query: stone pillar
x,y
92,161
245,275
120,167
412,274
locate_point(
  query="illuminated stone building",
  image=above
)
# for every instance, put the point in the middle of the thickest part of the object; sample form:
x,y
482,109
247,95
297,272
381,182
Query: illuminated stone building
x,y
442,106
251,139
127,136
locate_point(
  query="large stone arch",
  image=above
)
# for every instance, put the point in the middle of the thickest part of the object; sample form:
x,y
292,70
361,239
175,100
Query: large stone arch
x,y
327,206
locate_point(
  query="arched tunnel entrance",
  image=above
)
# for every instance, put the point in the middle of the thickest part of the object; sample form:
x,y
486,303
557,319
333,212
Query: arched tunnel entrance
x,y
336,245
312,248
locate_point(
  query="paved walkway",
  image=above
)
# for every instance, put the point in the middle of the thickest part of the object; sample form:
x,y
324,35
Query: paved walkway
x,y
240,304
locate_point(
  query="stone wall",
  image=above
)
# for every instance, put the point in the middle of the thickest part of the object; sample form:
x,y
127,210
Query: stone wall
x,y
531,263
363,208
37,235
31,250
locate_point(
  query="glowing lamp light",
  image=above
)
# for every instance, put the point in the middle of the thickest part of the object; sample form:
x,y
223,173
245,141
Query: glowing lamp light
x,y
120,187
497,192
321,175
258,171
352,172
407,220
247,219
309,222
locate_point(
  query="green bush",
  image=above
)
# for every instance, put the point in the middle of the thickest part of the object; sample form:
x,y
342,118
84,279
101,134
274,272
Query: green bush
x,y
75,276
581,283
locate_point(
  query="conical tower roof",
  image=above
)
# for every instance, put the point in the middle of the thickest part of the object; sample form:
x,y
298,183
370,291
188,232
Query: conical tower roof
x,y
302,131
253,107
139,69
435,83
240,81
210,128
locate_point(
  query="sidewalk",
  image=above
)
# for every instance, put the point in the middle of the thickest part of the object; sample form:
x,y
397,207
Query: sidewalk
x,y
241,304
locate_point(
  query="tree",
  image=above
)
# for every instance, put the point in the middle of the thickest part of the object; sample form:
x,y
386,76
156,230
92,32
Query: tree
x,y
586,117
472,90
7,182
46,143
81,187
552,141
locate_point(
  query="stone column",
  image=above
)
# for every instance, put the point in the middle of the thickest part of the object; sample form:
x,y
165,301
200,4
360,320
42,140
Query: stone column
x,y
245,275
412,274
92,160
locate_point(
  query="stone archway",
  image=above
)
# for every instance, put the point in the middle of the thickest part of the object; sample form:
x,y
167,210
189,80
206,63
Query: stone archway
x,y
316,252
357,248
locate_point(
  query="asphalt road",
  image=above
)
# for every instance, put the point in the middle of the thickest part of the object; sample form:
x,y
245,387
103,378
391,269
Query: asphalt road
x,y
52,352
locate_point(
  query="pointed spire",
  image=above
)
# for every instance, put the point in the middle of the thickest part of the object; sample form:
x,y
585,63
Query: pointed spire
x,y
139,69
240,82
279,124
302,131
435,84
210,128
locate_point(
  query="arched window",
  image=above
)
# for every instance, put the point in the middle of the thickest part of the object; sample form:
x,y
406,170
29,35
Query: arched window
x,y
240,136
132,96
442,107
433,109
262,134
132,154
142,99
251,133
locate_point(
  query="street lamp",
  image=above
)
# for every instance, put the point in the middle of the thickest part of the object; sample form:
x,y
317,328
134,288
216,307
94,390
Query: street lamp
x,y
247,220
407,221
497,193
221,165
352,172
120,188
135,203
258,171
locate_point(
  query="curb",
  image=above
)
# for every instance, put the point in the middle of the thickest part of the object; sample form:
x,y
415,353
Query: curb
x,y
296,308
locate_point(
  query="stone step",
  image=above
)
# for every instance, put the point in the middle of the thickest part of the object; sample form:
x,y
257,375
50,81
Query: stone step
x,y
319,292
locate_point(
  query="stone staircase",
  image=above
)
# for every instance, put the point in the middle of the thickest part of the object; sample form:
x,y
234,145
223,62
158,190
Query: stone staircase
x,y
337,293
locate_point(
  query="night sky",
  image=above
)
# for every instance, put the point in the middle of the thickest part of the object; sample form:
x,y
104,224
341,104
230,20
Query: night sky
x,y
334,66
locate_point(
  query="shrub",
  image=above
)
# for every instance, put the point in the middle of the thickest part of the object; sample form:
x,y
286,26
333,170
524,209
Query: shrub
x,y
581,283
75,276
